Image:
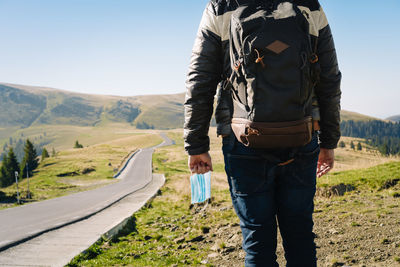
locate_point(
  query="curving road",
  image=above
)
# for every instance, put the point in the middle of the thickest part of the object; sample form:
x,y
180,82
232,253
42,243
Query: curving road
x,y
25,222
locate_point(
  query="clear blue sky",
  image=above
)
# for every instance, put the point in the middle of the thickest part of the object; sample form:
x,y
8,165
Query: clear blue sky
x,y
132,47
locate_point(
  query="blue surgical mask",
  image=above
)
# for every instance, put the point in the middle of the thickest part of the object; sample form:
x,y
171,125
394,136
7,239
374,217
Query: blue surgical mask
x,y
201,187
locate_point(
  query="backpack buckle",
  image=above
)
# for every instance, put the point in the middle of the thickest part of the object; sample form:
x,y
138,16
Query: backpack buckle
x,y
314,58
237,65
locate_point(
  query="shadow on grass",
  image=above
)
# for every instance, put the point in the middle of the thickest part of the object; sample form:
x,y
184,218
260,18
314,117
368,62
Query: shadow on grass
x,y
49,164
129,228
6,199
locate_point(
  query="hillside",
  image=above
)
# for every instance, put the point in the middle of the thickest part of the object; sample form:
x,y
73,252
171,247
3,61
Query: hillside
x,y
354,116
394,118
24,106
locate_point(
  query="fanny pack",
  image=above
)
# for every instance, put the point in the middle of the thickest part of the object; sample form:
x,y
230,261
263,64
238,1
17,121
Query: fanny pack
x,y
273,134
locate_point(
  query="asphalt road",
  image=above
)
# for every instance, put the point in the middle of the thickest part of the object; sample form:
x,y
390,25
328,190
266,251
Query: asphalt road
x,y
25,222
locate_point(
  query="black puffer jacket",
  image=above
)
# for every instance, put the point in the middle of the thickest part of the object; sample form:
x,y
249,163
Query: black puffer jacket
x,y
210,65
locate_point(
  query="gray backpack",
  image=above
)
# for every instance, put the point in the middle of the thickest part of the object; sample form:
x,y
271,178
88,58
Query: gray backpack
x,y
274,70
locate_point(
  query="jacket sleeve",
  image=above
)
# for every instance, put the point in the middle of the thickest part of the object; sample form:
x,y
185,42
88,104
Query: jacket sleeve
x,y
328,88
204,74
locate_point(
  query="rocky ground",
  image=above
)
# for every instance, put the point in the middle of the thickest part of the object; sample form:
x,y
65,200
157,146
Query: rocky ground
x,y
352,230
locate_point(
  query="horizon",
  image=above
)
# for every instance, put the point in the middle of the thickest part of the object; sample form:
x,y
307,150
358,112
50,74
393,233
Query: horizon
x,y
111,95
111,48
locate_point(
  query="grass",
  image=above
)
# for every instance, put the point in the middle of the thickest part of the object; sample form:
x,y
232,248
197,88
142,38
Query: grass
x,y
77,170
167,231
63,137
349,159
164,228
370,178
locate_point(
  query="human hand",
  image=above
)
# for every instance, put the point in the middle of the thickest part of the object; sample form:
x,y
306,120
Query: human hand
x,y
325,161
200,163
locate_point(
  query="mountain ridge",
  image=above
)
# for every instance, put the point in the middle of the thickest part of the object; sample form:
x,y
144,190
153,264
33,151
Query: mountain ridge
x,y
25,106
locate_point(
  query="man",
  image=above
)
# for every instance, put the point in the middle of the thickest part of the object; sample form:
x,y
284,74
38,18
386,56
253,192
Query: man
x,y
268,186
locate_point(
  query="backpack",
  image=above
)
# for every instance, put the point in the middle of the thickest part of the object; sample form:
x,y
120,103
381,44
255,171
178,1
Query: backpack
x,y
273,74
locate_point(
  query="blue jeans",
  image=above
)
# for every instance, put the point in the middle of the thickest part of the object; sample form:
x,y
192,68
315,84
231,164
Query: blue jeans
x,y
265,194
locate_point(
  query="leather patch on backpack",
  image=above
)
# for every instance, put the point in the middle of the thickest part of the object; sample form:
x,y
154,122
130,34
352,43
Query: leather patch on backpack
x,y
277,47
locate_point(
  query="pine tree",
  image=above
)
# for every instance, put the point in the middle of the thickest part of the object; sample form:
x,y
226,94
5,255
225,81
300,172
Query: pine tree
x,y
53,152
3,172
352,145
45,153
77,145
359,147
9,167
30,159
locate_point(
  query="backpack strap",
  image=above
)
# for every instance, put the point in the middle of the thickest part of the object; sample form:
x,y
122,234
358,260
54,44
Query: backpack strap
x,y
314,60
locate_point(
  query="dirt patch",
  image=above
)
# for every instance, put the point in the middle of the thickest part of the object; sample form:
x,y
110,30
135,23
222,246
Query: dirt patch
x,y
358,230
336,190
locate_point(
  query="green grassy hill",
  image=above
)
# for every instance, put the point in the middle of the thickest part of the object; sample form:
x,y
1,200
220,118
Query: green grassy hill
x,y
161,111
56,118
47,106
18,107
27,106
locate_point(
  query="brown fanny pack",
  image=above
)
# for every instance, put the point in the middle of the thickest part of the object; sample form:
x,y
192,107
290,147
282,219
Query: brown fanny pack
x,y
273,134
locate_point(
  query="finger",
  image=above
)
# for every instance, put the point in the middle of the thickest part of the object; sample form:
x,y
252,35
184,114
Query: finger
x,y
320,170
202,169
191,165
319,164
324,170
195,169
